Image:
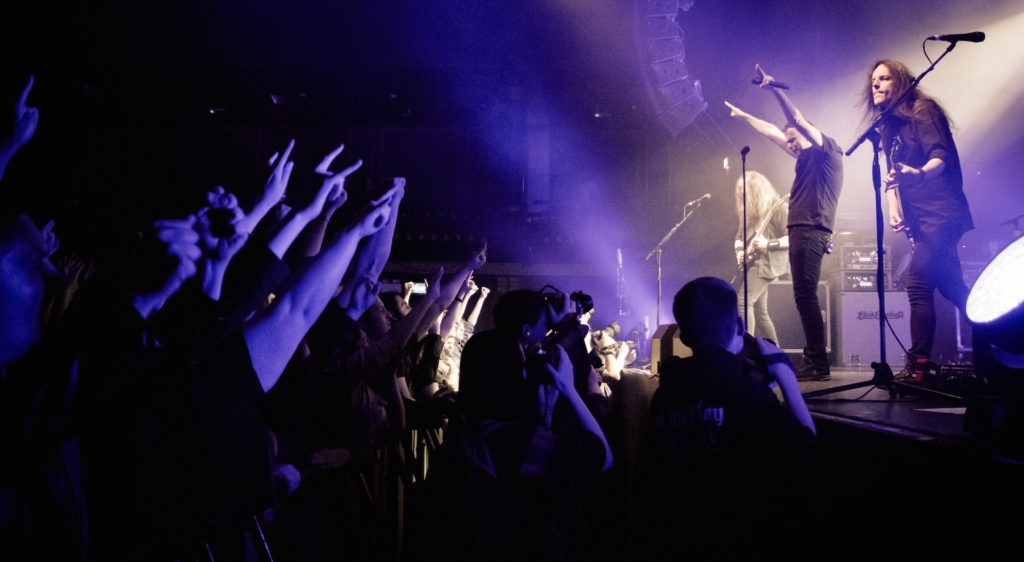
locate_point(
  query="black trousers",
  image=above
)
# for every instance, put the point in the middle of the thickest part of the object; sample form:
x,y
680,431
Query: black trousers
x,y
807,245
934,264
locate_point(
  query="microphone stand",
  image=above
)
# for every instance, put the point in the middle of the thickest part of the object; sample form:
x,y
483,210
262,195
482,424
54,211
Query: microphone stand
x,y
892,106
883,376
746,303
657,251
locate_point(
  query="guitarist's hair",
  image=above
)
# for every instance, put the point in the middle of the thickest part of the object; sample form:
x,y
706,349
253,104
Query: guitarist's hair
x,y
902,78
761,195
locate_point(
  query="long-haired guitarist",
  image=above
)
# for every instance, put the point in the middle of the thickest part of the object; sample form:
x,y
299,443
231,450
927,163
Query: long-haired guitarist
x,y
924,189
766,252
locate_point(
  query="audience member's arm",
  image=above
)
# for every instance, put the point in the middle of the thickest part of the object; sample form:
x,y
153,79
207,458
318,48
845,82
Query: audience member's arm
x,y
455,286
562,373
791,395
273,191
25,121
311,239
218,247
273,335
373,255
182,243
332,186
474,314
408,325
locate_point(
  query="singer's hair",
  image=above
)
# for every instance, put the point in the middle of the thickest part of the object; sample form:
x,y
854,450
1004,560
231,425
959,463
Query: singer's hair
x,y
706,310
902,78
761,195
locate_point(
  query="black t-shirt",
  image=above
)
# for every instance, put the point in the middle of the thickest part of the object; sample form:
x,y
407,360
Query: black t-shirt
x,y
939,203
723,451
816,187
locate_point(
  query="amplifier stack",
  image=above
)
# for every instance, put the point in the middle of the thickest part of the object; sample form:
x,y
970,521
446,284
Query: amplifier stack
x,y
854,282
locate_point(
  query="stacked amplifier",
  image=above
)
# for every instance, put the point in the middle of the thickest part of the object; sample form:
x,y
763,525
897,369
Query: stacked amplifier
x,y
857,269
854,284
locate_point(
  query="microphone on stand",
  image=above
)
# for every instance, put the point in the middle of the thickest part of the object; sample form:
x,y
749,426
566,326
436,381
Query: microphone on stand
x,y
773,83
620,287
699,200
972,37
744,152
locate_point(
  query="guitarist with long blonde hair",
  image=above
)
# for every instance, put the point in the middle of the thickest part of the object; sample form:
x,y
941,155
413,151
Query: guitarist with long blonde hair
x,y
766,252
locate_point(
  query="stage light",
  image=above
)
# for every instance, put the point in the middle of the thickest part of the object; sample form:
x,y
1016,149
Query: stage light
x,y
995,307
996,304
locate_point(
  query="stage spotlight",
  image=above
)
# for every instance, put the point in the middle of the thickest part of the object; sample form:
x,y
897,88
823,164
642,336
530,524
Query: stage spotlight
x,y
995,307
995,304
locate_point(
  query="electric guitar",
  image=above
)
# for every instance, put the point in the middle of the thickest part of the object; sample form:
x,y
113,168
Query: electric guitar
x,y
761,227
895,155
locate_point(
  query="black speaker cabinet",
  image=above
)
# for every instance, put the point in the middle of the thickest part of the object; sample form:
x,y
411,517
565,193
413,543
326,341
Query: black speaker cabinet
x,y
857,328
782,309
664,344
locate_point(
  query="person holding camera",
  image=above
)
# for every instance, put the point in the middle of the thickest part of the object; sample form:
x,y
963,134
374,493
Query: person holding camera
x,y
721,444
510,472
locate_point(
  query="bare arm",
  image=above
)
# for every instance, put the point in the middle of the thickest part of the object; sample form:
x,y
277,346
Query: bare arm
x,y
373,255
273,191
474,315
792,114
562,374
332,187
275,333
786,378
767,129
25,121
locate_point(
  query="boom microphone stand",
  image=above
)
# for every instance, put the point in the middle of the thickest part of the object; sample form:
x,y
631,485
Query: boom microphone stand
x,y
688,210
883,376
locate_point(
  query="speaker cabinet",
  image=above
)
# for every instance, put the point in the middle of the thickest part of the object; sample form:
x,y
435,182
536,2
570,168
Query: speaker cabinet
x,y
782,309
857,328
664,344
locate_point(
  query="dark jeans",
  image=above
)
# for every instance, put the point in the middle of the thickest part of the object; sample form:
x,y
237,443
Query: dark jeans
x,y
934,264
807,246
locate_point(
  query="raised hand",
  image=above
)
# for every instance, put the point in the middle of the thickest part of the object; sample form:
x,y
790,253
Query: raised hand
x,y
479,258
217,226
364,293
560,368
182,242
277,183
50,241
736,112
273,191
374,219
761,75
25,118
333,187
434,285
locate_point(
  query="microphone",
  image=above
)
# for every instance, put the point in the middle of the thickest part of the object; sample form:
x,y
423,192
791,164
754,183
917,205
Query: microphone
x,y
699,200
782,86
745,150
973,37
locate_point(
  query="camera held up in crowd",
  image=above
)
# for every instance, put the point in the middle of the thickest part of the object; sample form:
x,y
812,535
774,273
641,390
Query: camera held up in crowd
x,y
566,332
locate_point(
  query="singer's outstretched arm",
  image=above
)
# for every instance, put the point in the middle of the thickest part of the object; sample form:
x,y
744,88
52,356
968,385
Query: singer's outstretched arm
x,y
767,129
793,115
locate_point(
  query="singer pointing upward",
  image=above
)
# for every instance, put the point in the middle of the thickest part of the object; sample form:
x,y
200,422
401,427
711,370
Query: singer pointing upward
x,y
812,213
